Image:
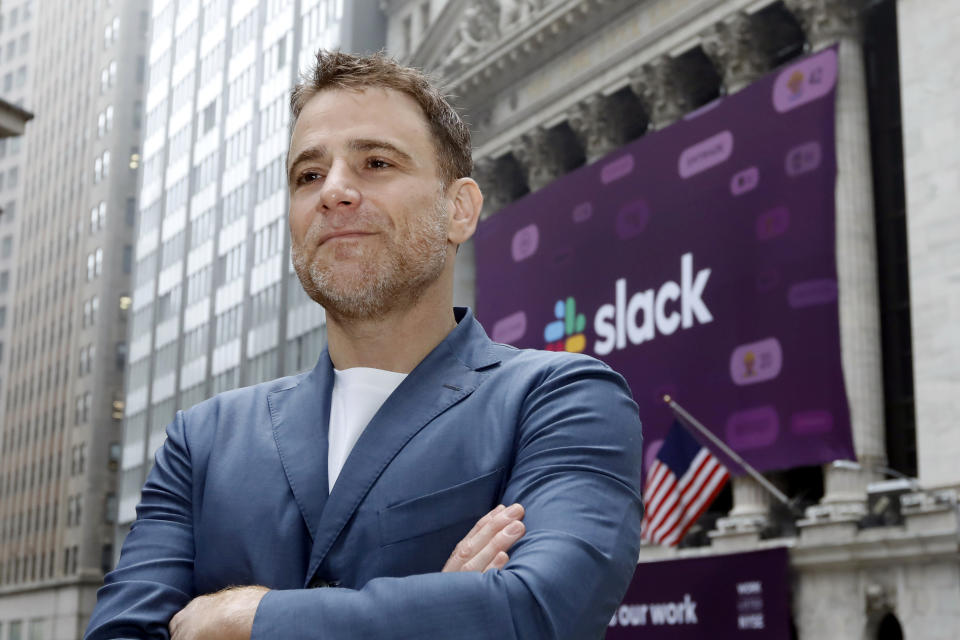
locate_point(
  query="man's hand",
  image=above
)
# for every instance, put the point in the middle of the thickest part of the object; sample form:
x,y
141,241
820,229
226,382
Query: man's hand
x,y
485,547
224,615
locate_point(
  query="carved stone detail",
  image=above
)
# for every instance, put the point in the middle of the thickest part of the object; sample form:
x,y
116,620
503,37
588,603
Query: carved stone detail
x,y
495,196
734,45
827,21
599,126
664,90
540,160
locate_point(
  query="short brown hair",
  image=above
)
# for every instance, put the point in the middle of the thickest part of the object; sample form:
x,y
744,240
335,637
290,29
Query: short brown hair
x,y
338,70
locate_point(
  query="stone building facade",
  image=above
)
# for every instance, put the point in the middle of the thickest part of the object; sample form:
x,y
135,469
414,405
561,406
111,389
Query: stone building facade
x,y
549,85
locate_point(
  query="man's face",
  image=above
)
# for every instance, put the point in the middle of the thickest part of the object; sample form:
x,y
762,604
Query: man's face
x,y
368,214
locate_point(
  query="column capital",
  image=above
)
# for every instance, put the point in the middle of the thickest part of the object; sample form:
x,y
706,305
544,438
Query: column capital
x,y
664,90
734,45
827,21
598,125
535,152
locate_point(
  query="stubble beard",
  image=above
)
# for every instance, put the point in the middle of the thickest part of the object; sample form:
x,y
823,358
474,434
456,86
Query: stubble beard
x,y
393,279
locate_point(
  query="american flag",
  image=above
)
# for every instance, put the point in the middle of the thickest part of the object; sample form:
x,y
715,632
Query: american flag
x,y
681,484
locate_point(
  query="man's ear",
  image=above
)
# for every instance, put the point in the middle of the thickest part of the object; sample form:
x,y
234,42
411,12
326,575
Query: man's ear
x,y
467,203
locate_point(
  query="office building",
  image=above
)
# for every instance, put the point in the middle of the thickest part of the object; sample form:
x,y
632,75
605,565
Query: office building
x,y
216,304
66,350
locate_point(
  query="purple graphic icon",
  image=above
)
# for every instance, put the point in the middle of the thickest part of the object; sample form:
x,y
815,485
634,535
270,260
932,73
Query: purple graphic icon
x,y
756,362
811,422
582,212
753,428
525,242
803,159
511,328
744,181
706,154
632,219
772,223
616,169
805,81
812,292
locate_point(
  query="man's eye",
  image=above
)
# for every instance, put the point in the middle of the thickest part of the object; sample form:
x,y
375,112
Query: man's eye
x,y
376,163
307,177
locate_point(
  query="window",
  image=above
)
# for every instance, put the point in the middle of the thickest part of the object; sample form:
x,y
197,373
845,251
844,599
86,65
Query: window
x,y
98,217
209,116
228,324
231,265
121,356
94,264
4,281
198,285
168,304
6,247
101,167
195,342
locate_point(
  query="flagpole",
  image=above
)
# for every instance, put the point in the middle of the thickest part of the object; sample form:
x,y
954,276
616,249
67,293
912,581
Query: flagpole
x,y
689,420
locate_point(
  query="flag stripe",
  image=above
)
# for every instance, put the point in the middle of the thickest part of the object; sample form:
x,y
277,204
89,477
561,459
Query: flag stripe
x,y
682,482
690,493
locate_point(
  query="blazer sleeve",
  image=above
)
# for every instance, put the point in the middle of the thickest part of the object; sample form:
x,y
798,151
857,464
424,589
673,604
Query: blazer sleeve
x,y
577,473
154,578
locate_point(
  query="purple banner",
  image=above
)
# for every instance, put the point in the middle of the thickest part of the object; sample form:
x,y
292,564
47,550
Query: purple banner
x,y
742,595
697,261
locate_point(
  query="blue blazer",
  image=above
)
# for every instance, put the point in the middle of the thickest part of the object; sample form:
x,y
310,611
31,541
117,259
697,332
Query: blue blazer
x,y
238,496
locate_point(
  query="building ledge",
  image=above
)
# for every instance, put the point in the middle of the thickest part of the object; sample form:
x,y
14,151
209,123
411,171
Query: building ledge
x,y
13,119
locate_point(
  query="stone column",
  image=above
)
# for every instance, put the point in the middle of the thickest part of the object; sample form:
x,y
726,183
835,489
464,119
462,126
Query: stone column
x,y
734,47
840,21
599,126
741,528
664,90
539,157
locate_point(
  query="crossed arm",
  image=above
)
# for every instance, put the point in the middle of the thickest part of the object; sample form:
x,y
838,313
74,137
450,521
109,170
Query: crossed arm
x,y
228,614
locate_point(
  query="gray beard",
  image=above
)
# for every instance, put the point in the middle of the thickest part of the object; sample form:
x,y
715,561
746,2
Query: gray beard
x,y
393,284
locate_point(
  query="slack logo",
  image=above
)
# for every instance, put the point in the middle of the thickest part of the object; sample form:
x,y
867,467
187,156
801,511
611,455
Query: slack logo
x,y
566,332
646,313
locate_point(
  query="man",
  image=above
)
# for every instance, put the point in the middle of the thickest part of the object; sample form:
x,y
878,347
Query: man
x,y
362,475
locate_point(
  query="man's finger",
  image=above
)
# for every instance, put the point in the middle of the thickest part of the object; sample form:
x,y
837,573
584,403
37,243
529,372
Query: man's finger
x,y
499,543
499,561
480,537
485,520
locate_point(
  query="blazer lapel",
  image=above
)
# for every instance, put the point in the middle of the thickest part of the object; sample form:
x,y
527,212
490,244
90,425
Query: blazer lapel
x,y
301,417
445,377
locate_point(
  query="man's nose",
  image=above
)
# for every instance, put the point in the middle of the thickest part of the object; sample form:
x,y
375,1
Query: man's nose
x,y
340,189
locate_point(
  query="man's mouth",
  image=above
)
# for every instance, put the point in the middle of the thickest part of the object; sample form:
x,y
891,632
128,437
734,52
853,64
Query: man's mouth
x,y
345,234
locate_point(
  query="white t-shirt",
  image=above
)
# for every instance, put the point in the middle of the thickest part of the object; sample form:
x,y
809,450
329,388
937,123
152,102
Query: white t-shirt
x,y
358,394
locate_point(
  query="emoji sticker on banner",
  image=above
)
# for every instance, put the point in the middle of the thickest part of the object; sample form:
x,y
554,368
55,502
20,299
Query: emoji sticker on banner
x,y
511,328
616,169
756,362
805,81
803,159
525,242
744,181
